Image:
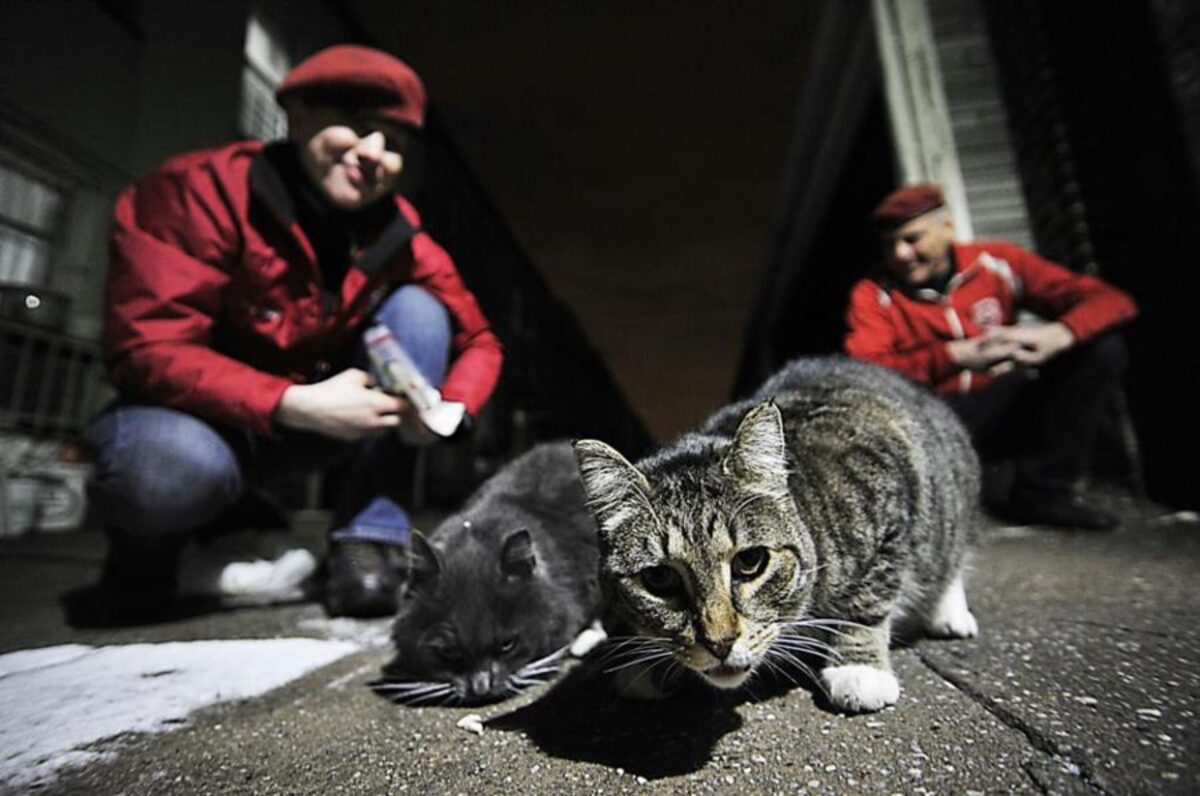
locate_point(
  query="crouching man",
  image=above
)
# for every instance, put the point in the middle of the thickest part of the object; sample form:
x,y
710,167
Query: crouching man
x,y
241,281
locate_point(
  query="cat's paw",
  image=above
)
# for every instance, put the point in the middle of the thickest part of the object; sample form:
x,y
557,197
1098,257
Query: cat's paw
x,y
588,639
953,624
858,688
951,618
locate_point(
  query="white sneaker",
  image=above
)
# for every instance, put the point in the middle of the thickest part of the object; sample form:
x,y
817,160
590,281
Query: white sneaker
x,y
230,570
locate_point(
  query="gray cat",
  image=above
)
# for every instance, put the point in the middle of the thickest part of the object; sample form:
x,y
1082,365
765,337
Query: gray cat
x,y
836,502
494,596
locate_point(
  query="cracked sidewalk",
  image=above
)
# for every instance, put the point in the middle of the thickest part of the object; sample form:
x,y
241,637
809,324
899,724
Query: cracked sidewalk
x,y
1085,679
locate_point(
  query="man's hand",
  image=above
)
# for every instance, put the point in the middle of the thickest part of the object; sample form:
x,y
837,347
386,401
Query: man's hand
x,y
1035,344
344,407
983,353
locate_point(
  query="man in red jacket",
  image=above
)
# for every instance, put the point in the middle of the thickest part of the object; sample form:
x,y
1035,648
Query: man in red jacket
x,y
944,314
241,281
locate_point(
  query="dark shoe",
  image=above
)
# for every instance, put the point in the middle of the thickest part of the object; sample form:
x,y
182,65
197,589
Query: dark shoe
x,y
360,580
136,588
1057,510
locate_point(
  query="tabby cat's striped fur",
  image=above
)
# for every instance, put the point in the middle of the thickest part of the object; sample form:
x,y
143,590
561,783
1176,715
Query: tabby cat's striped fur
x,y
839,499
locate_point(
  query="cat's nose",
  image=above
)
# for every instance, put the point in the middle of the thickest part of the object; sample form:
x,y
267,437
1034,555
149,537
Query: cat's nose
x,y
721,647
481,683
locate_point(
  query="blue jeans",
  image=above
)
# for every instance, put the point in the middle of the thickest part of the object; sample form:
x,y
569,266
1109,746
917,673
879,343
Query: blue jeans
x,y
163,473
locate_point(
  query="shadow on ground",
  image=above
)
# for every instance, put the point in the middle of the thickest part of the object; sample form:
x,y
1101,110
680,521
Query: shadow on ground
x,y
583,719
94,607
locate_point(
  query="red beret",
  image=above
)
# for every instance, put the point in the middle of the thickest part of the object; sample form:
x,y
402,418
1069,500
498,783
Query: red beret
x,y
347,74
907,203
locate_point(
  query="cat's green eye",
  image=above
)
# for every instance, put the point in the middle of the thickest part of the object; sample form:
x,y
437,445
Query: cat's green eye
x,y
749,563
506,646
662,581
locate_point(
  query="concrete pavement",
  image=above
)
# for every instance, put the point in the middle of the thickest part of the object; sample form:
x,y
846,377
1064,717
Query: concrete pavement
x,y
1085,679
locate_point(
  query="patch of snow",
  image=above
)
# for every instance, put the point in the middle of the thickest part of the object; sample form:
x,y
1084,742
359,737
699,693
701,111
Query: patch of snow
x,y
56,700
373,633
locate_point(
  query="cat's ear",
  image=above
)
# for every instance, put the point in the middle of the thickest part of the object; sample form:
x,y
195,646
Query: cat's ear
x,y
614,487
758,456
517,556
424,563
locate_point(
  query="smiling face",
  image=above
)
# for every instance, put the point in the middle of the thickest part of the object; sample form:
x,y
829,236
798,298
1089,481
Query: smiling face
x,y
919,249
354,157
703,555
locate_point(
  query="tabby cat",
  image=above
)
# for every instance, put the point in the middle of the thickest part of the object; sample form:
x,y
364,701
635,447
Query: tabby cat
x,y
837,501
492,599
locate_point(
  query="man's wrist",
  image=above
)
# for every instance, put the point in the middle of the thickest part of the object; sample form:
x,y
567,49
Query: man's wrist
x,y
1066,336
288,412
953,349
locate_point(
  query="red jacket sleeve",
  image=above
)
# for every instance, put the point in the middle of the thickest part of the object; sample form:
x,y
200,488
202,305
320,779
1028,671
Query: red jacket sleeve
x,y
1086,304
171,249
873,337
476,351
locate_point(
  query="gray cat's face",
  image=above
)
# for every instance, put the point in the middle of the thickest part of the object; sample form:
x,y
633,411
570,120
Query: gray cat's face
x,y
475,623
703,552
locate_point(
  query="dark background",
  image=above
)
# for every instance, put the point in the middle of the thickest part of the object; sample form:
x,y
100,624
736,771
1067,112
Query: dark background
x,y
621,179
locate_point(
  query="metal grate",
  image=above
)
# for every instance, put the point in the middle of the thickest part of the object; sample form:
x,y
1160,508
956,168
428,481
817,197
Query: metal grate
x,y
50,383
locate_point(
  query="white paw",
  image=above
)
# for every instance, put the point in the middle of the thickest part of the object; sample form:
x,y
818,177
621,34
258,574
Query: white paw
x,y
951,618
858,687
586,641
959,624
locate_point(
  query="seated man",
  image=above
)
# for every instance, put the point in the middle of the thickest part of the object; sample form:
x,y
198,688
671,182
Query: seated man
x,y
241,281
943,312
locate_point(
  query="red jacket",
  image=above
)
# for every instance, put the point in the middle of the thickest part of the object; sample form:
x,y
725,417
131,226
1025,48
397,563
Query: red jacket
x,y
907,330
214,300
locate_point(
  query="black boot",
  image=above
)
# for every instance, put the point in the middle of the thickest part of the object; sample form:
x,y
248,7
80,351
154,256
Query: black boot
x,y
136,586
1056,509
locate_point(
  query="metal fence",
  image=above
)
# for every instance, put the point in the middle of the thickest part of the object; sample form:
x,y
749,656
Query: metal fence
x,y
50,383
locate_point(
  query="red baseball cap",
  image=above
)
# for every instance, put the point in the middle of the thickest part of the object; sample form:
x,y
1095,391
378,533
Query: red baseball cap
x,y
362,77
907,203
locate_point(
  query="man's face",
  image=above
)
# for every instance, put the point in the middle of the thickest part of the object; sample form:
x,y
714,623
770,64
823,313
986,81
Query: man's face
x,y
919,249
354,157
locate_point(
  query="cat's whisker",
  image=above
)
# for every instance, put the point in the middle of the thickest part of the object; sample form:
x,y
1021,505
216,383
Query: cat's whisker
x,y
623,641
649,645
452,698
556,655
547,664
815,648
421,693
802,666
633,645
649,658
773,667
533,679
404,686
806,644
417,696
823,656
824,625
